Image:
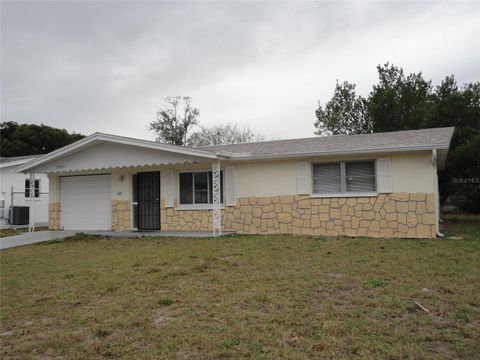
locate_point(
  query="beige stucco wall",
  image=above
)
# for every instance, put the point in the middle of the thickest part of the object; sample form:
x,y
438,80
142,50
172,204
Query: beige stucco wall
x,y
121,185
266,178
411,172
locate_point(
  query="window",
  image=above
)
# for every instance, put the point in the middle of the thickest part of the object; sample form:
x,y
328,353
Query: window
x,y
27,188
344,177
197,187
327,179
360,176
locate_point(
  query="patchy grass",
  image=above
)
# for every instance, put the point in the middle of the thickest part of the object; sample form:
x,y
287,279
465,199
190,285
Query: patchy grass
x,y
243,297
11,232
375,282
165,302
461,226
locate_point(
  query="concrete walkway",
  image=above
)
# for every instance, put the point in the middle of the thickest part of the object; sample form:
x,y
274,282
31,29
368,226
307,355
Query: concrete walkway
x,y
27,238
41,236
37,225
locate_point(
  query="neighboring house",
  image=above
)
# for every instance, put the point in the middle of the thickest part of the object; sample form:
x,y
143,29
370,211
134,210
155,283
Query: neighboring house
x,y
379,185
16,186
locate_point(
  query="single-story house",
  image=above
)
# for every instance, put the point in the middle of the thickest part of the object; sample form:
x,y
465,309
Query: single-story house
x,y
15,191
378,185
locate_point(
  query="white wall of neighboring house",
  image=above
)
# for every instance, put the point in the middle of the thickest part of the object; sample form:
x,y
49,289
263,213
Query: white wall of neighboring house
x,y
10,178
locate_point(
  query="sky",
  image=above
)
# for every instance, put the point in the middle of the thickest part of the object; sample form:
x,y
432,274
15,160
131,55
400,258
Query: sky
x,y
107,66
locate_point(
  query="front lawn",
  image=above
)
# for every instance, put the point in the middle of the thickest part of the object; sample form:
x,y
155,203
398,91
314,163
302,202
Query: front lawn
x,y
275,297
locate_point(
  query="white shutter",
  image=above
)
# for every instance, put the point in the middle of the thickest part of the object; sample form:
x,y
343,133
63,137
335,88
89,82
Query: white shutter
x,y
169,187
384,175
303,173
230,191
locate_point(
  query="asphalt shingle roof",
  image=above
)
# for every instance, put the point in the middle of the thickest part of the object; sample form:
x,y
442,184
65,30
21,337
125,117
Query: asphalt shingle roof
x,y
428,138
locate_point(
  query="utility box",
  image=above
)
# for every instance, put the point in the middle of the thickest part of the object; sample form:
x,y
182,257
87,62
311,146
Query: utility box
x,y
19,215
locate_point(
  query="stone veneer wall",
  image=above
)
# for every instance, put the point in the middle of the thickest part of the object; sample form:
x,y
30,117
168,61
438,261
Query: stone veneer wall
x,y
409,215
54,216
121,215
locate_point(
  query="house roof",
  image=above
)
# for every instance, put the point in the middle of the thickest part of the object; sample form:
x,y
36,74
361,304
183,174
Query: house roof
x,y
398,141
410,140
16,160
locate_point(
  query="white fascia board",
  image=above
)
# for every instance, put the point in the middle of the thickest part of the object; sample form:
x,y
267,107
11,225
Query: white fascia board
x,y
244,157
119,140
15,163
158,146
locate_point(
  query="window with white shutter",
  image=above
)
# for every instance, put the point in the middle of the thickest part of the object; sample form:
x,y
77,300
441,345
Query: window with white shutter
x,y
343,178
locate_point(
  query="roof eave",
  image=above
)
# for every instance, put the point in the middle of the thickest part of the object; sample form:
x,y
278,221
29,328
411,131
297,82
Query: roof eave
x,y
14,163
339,153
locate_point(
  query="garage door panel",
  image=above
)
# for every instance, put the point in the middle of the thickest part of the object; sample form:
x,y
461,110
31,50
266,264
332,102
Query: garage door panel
x,y
74,201
85,202
85,220
93,216
75,193
89,188
99,187
72,214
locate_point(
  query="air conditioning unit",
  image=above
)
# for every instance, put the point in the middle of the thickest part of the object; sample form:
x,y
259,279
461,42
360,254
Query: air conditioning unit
x,y
19,215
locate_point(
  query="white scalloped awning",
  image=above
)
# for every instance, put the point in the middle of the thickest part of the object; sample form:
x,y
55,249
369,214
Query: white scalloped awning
x,y
102,151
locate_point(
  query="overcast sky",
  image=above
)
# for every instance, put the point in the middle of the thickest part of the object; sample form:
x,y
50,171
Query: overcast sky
x,y
106,66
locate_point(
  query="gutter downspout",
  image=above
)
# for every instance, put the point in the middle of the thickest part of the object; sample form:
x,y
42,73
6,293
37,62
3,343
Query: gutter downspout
x,y
437,194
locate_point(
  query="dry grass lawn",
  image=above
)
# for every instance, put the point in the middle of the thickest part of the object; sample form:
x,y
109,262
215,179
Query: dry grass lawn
x,y
277,297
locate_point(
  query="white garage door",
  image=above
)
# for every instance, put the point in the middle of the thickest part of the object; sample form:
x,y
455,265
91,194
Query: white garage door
x,y
85,203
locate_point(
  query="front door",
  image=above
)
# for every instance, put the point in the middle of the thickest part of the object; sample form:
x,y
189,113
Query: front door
x,y
148,184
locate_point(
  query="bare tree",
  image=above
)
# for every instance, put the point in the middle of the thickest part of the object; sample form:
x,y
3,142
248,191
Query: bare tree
x,y
223,134
174,121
